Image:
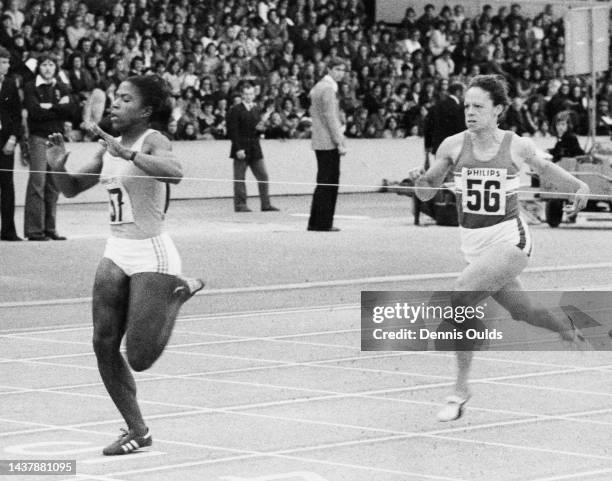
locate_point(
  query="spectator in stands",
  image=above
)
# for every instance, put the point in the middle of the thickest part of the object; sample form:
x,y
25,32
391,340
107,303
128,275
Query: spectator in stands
x,y
304,34
567,143
559,101
393,130
188,132
76,31
81,81
276,128
445,65
515,118
602,126
427,20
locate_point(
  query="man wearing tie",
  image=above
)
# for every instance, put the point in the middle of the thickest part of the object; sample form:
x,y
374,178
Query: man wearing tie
x,y
244,126
10,124
329,144
444,119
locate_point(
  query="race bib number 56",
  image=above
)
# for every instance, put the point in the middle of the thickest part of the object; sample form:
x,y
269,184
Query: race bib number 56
x,y
483,190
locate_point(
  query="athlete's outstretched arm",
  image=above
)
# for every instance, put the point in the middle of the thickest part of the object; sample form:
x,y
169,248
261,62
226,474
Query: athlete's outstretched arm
x,y
552,173
156,157
426,185
71,184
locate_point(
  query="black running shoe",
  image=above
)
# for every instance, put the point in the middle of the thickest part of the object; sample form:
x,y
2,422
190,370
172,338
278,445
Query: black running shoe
x,y
128,443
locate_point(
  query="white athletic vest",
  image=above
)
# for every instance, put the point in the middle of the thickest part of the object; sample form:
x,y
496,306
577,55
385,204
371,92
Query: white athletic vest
x,y
136,200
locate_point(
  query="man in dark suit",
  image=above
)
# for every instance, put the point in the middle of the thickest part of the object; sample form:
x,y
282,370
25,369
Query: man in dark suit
x,y
10,124
444,119
244,126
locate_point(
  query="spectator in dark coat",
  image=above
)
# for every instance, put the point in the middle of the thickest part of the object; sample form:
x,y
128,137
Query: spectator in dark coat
x,y
444,119
10,123
567,143
244,127
49,103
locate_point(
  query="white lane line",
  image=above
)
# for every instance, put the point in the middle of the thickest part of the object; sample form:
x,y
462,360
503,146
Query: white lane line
x,y
281,337
243,454
294,453
192,317
338,216
583,474
327,395
315,284
322,364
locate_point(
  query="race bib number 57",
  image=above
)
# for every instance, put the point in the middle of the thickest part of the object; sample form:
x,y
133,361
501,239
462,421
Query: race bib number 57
x,y
120,206
483,190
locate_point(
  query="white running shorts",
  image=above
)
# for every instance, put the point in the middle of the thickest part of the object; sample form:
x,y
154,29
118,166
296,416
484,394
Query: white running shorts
x,y
155,254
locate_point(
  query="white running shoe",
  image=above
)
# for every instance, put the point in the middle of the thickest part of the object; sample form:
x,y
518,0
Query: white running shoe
x,y
189,286
453,409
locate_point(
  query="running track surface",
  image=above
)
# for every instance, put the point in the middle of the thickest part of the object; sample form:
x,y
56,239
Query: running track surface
x,y
264,379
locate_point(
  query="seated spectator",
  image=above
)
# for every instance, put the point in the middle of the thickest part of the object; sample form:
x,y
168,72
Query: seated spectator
x,y
370,132
80,79
445,65
76,31
188,132
172,130
70,134
392,129
275,128
515,119
207,120
567,143
438,41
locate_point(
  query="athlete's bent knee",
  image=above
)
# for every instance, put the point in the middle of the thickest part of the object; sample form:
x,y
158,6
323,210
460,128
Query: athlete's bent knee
x,y
139,361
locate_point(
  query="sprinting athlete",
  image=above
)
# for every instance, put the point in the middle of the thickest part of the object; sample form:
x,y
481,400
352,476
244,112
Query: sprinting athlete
x,y
138,290
495,240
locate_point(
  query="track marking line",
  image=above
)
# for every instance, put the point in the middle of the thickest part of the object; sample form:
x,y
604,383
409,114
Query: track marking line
x,y
583,474
315,284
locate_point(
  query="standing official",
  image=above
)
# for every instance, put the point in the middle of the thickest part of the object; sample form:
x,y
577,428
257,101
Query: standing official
x,y
244,126
444,119
49,104
10,123
329,145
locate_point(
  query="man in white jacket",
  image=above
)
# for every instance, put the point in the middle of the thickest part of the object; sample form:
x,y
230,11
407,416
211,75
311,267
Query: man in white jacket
x,y
329,145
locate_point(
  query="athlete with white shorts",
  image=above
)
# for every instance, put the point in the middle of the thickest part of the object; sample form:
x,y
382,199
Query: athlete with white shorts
x,y
496,243
138,290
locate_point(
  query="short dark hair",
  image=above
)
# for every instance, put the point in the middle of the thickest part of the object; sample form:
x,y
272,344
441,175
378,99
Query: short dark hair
x,y
335,62
44,58
456,88
495,85
155,93
4,53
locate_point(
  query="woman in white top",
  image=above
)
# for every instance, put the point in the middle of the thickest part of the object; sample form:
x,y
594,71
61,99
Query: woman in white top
x,y
138,290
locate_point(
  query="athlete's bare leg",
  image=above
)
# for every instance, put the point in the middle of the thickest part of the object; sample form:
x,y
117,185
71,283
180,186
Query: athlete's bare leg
x,y
496,268
110,305
522,307
154,304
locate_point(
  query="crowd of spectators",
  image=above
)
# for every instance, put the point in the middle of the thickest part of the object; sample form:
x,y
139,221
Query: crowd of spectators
x,y
205,49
